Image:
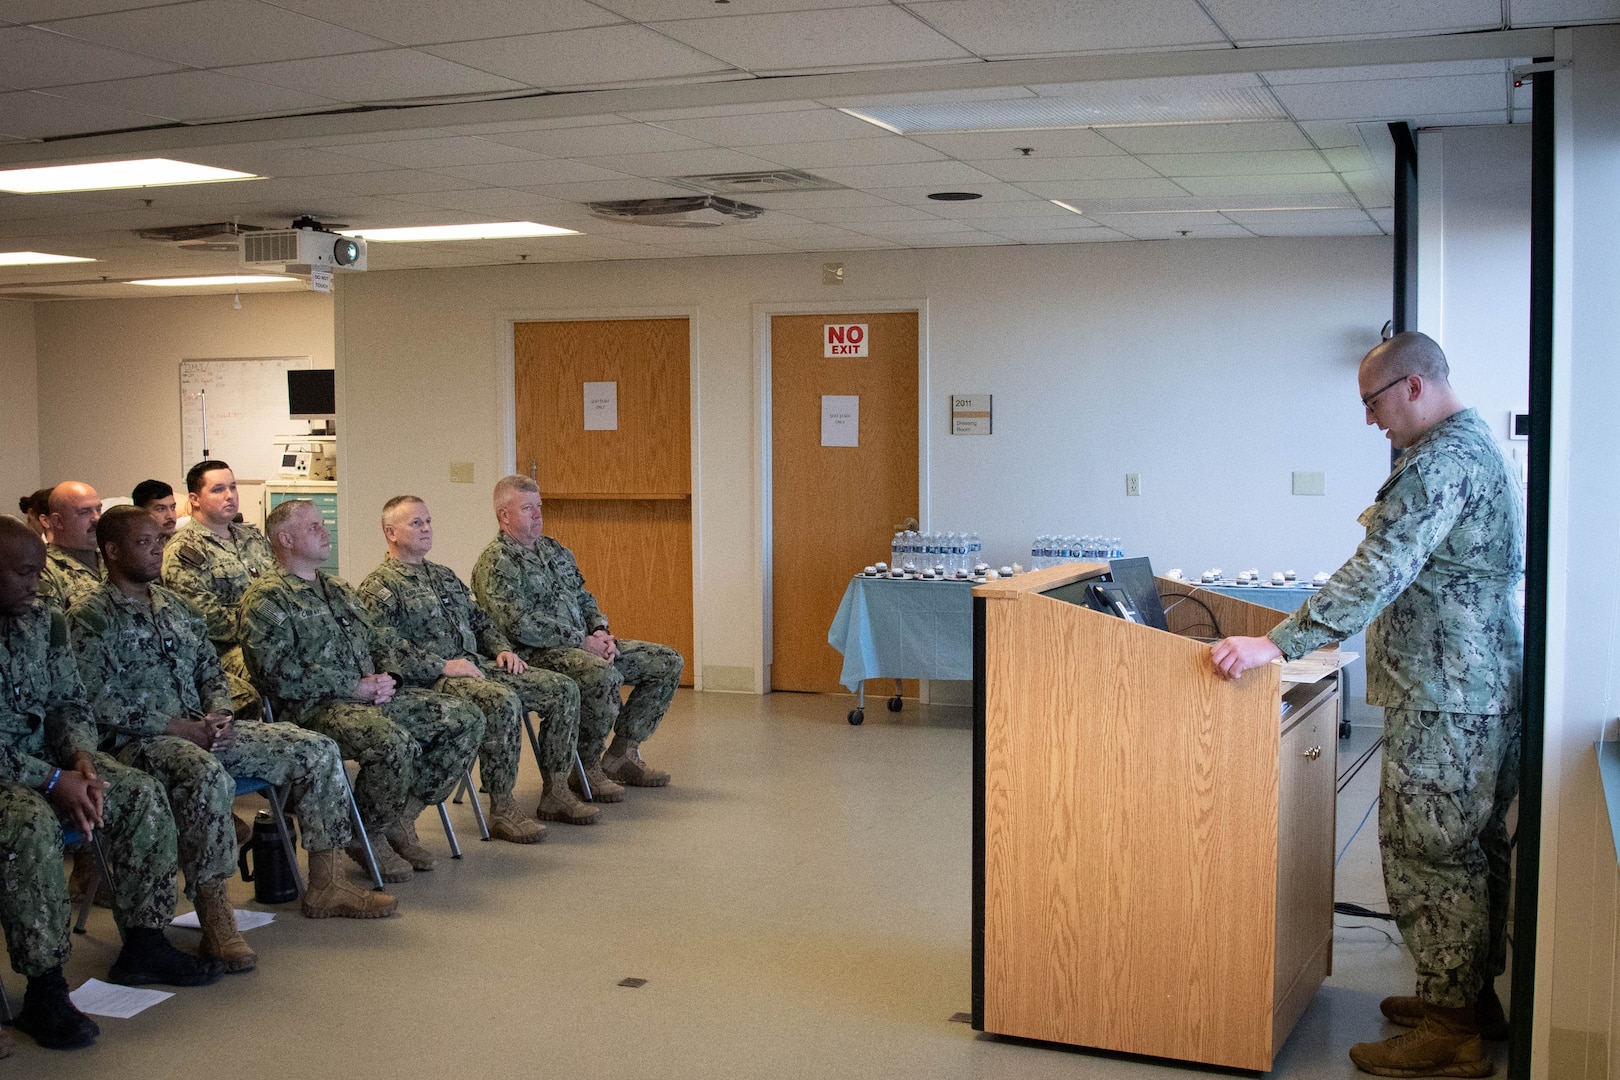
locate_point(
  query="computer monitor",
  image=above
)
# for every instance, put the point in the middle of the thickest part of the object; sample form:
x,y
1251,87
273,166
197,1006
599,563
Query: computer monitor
x,y
311,394
1132,576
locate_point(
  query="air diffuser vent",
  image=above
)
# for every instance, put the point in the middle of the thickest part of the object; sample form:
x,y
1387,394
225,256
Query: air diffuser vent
x,y
689,212
215,236
756,183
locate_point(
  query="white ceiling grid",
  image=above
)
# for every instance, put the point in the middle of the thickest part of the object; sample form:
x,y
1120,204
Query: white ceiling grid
x,y
78,67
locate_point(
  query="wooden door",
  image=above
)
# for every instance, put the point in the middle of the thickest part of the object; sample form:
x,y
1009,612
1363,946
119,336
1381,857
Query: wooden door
x,y
620,499
834,508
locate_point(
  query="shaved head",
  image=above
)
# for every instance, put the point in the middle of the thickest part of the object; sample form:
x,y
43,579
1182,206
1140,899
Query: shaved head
x,y
1409,353
22,559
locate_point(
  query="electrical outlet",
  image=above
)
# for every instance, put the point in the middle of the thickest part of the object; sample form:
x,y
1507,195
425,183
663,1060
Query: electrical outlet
x,y
1133,483
461,472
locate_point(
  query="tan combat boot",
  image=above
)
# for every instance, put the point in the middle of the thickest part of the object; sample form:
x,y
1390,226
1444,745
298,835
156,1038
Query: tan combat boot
x,y
402,837
603,789
1445,1042
559,803
508,822
390,867
332,896
221,940
623,763
1407,1011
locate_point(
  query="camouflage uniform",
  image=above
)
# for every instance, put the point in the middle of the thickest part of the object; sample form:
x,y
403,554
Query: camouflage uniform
x,y
66,580
538,598
1434,585
213,574
145,663
44,721
308,643
436,619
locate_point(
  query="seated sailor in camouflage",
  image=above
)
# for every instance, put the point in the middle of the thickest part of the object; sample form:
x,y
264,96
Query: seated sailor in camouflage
x,y
212,561
165,708
313,649
72,567
158,497
50,774
531,586
446,638
1433,583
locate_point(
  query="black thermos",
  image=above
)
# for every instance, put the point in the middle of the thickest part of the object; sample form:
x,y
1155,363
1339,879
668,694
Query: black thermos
x,y
273,881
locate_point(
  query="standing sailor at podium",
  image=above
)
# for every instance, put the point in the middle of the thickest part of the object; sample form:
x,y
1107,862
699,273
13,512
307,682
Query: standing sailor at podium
x,y
1434,584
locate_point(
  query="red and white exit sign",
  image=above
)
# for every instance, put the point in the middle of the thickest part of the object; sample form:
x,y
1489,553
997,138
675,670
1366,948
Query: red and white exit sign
x,y
846,340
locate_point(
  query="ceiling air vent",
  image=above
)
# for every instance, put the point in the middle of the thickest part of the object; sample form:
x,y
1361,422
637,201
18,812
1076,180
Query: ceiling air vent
x,y
756,183
683,212
216,236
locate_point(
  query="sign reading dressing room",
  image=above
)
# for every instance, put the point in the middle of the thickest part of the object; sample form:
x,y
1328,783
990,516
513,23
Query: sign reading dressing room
x,y
970,414
845,340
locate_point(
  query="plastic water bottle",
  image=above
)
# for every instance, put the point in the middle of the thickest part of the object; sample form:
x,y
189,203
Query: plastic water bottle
x,y
909,549
1035,554
897,550
1066,549
975,551
1116,549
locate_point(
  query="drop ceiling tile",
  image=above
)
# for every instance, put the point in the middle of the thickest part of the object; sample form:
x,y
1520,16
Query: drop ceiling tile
x,y
681,162
1384,216
1166,85
801,40
664,10
441,153
216,33
395,182
431,23
517,205
1159,223
196,95
1259,218
793,201
1006,28
836,215
930,97
610,190
391,75
724,245
1251,163
1394,98
945,174
846,241
503,126
1348,158
289,161
1282,225
27,114
528,174
1371,188
1019,170
1141,230
1332,133
1564,12
842,152
600,141
812,125
1285,184
1251,22
967,239
1078,191
1206,138
1487,118
39,11
1061,236
1386,71
657,116
987,145
344,141
985,214
608,55
992,191
30,59
894,230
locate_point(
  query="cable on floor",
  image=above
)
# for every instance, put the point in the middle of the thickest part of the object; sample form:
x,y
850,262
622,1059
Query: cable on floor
x,y
1371,807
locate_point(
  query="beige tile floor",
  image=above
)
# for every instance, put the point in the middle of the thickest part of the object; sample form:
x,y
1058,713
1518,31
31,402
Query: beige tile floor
x,y
797,902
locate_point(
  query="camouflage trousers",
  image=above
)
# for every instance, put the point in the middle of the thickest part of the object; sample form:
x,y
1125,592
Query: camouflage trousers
x,y
504,698
1448,781
138,835
654,671
418,744
201,788
244,698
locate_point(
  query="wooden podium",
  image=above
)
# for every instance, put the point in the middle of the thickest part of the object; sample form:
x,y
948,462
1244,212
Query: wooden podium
x,y
1153,845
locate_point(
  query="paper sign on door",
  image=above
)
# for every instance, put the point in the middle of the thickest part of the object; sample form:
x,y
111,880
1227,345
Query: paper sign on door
x,y
840,420
601,406
848,339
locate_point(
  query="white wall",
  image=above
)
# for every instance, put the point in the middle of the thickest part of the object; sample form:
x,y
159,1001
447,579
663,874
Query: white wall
x,y
19,405
1212,368
109,375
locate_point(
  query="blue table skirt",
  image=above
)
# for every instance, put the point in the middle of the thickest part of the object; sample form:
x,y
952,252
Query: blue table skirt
x,y
888,628
1286,598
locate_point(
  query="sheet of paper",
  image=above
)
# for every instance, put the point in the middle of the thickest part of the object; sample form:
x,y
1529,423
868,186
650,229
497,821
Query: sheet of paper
x,y
840,420
1316,666
118,1002
245,920
601,406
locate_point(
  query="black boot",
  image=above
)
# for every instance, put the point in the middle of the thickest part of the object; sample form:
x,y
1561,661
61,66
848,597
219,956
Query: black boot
x,y
48,1015
148,958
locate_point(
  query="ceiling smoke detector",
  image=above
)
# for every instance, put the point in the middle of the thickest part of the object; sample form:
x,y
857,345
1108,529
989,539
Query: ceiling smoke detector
x,y
215,236
681,212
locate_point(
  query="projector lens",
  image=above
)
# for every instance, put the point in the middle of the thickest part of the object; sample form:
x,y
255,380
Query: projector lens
x,y
345,252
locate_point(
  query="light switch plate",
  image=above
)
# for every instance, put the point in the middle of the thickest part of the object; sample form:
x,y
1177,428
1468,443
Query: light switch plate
x,y
1310,483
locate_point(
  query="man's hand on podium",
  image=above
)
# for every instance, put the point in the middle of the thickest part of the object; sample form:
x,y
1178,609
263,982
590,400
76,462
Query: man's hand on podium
x,y
1235,655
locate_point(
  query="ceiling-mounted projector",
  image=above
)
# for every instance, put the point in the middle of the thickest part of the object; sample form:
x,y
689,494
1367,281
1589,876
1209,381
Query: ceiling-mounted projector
x,y
681,212
305,246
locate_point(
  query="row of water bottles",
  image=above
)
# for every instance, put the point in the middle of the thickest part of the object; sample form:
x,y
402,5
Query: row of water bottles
x,y
1055,550
911,550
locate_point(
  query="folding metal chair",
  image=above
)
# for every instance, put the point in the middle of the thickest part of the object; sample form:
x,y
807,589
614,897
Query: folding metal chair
x,y
534,747
247,785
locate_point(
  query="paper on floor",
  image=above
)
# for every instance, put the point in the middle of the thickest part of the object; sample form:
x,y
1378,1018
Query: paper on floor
x,y
118,1002
245,920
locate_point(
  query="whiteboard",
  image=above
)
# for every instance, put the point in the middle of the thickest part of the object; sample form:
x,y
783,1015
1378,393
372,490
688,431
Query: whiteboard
x,y
246,399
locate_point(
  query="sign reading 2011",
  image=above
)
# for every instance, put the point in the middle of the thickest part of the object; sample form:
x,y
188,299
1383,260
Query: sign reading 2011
x,y
846,340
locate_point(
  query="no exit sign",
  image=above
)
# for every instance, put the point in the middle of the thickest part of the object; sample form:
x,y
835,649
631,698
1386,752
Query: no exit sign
x,y
846,340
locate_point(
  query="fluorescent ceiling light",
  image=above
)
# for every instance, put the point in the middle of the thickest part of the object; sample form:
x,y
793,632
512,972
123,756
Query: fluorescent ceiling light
x,y
36,258
106,175
1110,104
220,279
489,230
1066,206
